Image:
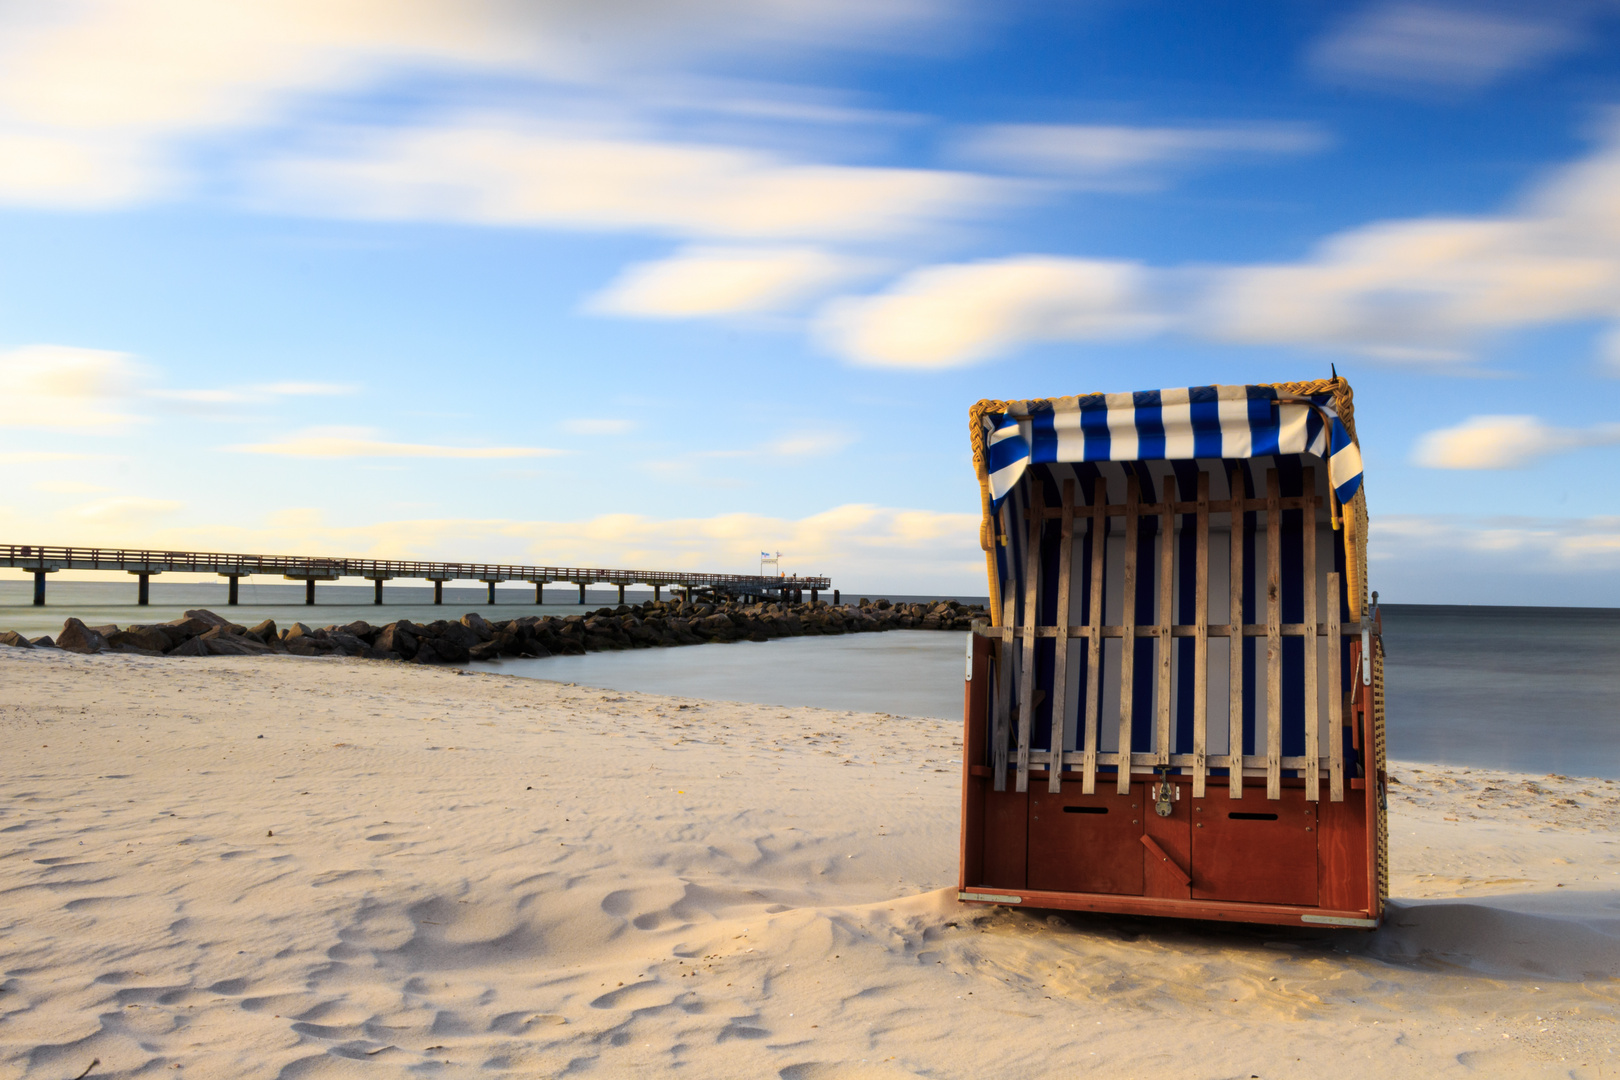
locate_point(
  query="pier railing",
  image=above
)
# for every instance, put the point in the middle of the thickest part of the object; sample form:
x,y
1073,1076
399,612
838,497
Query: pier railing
x,y
47,559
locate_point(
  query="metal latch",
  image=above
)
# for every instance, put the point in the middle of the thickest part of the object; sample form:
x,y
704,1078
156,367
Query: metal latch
x,y
1167,794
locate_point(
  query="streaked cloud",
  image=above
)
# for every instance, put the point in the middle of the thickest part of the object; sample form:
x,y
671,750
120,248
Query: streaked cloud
x,y
1098,155
599,426
63,388
1453,46
1428,289
710,281
126,509
506,171
1505,442
949,316
360,443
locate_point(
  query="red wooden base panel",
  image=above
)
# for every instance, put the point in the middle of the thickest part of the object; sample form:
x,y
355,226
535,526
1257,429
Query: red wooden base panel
x,y
1254,859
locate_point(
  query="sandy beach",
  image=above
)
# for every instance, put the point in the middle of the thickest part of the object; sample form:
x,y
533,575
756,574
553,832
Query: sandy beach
x,y
287,867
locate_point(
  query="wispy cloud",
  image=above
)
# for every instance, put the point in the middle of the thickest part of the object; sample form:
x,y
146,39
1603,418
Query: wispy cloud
x,y
360,443
1111,156
1506,442
948,316
711,281
1451,46
62,388
503,170
599,426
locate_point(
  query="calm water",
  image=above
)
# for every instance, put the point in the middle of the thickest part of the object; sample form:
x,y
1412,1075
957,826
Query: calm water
x,y
1535,689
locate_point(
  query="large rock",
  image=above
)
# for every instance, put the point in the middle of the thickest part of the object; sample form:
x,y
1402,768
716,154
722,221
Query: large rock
x,y
478,625
204,615
43,642
265,632
360,629
15,640
147,639
489,650
396,638
183,630
220,641
462,636
79,638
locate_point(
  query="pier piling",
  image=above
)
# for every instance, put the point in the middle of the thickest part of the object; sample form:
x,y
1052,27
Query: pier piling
x,y
491,585
376,594
621,594
438,592
143,589
657,589
39,587
309,591
539,594
581,594
231,591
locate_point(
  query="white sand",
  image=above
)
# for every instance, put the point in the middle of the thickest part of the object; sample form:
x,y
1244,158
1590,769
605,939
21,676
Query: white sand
x,y
416,871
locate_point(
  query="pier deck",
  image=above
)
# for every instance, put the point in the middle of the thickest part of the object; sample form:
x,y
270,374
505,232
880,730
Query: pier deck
x,y
41,560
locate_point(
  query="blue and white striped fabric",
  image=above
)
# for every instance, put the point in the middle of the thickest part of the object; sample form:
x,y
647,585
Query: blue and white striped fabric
x,y
1170,425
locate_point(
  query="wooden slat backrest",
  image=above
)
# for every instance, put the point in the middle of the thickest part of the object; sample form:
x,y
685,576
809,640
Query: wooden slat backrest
x,y
1032,593
1201,642
1313,778
1094,674
1166,618
1234,686
1273,634
1060,659
1335,681
1004,675
1127,651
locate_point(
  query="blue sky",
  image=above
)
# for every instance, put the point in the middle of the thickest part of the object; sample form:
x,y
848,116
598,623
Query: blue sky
x,y
663,285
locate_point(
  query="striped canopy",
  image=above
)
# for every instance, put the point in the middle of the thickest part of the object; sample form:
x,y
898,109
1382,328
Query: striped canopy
x,y
1227,422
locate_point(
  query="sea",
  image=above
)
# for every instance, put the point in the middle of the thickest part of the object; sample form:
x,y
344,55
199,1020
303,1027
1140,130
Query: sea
x,y
1528,689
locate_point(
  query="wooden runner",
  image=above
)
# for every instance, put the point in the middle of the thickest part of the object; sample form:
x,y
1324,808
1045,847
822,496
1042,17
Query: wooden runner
x,y
1273,634
1026,688
1094,676
1234,686
1313,779
1166,617
1060,659
1127,647
1201,643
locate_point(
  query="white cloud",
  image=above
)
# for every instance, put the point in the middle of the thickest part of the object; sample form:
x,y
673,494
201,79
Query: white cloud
x,y
98,97
710,281
359,443
126,509
1443,45
1428,289
1505,442
599,426
1107,155
304,389
949,316
61,388
503,171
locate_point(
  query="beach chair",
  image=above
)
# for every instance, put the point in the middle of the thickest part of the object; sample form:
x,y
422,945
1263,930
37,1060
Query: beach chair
x,y
1177,706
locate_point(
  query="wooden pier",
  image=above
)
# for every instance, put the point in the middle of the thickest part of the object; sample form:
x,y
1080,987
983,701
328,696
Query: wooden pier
x,y
43,560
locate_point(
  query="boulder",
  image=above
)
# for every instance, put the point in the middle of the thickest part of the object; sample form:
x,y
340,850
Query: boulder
x,y
15,640
478,625
106,631
179,630
451,650
347,643
265,631
79,638
195,647
220,641
395,638
297,630
360,629
43,642
462,636
488,650
204,615
144,638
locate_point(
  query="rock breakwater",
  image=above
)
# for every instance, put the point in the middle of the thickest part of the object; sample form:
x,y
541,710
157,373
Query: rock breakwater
x,y
657,624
